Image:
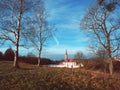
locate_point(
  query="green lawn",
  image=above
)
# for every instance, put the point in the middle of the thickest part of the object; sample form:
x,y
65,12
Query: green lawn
x,y
31,77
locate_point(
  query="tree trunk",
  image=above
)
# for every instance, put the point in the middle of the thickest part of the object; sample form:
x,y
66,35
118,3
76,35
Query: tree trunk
x,y
40,47
109,53
17,36
39,63
110,61
39,59
15,64
110,66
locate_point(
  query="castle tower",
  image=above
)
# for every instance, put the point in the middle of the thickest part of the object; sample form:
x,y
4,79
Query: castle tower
x,y
66,56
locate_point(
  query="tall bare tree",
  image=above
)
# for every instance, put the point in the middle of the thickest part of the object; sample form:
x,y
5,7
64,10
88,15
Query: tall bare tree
x,y
41,31
13,16
11,23
105,26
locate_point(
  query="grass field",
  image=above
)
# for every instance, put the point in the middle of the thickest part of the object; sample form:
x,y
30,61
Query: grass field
x,y
31,77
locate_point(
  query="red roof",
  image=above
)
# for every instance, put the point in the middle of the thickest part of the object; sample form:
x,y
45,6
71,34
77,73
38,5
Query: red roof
x,y
71,60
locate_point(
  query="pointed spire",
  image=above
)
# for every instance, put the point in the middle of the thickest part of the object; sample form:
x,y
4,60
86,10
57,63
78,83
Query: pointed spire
x,y
66,52
66,56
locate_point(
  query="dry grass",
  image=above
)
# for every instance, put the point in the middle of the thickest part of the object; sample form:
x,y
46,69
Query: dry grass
x,y
47,78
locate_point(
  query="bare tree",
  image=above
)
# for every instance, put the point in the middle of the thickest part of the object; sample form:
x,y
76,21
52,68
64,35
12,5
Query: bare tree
x,y
9,30
79,55
41,31
13,13
105,26
101,54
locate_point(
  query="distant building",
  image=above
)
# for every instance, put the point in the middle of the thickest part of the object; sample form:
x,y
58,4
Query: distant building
x,y
68,63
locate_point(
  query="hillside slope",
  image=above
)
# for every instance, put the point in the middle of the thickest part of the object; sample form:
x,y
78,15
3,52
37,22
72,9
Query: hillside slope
x,y
47,78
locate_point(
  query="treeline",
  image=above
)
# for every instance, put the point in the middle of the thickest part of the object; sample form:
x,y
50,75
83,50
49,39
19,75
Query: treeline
x,y
29,58
34,60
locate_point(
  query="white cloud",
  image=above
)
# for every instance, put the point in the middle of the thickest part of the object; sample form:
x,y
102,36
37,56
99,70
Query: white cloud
x,y
56,40
82,40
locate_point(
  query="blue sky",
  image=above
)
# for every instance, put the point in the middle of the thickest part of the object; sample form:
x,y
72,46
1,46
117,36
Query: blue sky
x,y
65,15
